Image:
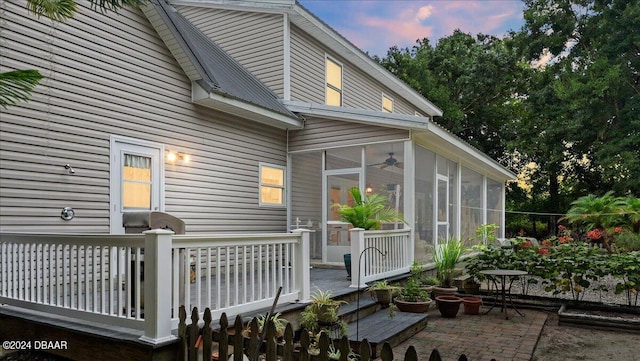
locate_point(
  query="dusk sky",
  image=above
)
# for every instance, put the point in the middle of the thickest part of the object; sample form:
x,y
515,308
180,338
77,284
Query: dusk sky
x,y
376,25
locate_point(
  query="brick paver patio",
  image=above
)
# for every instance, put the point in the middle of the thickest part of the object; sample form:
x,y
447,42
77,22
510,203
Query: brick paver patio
x,y
480,337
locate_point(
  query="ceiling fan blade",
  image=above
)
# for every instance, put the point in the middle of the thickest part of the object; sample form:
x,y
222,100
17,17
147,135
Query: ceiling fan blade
x,y
384,166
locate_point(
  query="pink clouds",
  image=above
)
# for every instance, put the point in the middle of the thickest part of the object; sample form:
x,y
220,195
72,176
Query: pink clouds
x,y
375,26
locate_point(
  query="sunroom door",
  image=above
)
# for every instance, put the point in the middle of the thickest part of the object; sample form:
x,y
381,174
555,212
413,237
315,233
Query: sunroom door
x,y
337,241
442,209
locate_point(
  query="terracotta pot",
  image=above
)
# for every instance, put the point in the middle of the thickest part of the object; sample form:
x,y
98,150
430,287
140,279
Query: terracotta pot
x,y
448,305
444,291
415,307
471,305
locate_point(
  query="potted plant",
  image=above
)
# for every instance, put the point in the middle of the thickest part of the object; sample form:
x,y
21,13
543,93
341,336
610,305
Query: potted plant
x,y
322,311
471,305
446,255
279,323
383,292
367,212
413,298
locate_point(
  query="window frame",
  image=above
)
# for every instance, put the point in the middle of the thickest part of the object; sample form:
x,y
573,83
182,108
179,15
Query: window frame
x,y
384,110
283,187
328,86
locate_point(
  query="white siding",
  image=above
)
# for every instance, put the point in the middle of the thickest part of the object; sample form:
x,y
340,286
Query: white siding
x,y
112,75
307,78
255,40
323,133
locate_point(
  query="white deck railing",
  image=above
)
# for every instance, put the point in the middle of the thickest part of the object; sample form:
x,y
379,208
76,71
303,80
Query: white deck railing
x,y
100,278
379,254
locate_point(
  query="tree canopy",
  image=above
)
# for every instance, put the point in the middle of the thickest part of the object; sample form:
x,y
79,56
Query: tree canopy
x,y
474,80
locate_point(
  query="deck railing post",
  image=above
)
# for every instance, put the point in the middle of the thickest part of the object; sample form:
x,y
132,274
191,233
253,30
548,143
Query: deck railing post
x,y
302,273
357,245
157,295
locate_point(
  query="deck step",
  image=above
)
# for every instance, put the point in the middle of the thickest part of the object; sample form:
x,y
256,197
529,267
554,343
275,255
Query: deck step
x,y
379,328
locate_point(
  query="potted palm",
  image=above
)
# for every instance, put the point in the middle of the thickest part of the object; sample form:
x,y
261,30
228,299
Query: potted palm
x,y
367,212
446,255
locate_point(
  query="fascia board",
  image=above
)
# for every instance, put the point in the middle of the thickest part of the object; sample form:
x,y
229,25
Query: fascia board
x,y
454,145
269,6
226,104
364,116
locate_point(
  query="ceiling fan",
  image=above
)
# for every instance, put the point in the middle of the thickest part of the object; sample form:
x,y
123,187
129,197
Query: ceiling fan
x,y
389,162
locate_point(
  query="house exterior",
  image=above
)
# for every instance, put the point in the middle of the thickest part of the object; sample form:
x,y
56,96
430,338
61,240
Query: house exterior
x,y
234,116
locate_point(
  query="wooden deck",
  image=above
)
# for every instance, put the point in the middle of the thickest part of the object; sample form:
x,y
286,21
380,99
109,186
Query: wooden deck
x,y
94,341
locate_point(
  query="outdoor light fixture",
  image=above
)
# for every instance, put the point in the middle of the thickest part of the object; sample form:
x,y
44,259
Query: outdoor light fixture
x,y
172,157
369,189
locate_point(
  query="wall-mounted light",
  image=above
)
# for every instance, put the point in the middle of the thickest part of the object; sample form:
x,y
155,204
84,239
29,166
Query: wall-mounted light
x,y
172,157
69,168
369,189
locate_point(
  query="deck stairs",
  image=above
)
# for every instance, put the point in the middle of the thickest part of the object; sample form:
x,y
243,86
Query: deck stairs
x,y
365,319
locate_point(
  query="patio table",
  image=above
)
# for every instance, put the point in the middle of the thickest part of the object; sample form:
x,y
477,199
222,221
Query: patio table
x,y
502,274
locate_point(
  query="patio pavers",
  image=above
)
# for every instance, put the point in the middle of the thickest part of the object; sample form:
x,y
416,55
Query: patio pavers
x,y
479,337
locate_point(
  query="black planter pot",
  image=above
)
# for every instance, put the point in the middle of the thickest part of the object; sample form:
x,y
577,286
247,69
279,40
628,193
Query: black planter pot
x,y
449,305
347,264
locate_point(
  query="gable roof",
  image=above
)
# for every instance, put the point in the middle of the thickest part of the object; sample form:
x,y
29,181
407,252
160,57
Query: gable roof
x,y
319,30
218,81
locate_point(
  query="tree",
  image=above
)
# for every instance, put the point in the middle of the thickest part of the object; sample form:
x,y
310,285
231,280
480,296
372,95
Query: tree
x,y
17,85
475,81
595,50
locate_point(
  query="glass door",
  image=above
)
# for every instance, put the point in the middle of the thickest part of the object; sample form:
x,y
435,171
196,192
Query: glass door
x,y
337,186
442,207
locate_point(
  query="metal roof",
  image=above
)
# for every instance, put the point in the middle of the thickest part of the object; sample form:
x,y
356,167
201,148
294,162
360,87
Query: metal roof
x,y
210,66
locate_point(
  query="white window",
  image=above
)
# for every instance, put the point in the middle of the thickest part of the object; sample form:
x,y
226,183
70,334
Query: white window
x,y
272,188
333,83
387,104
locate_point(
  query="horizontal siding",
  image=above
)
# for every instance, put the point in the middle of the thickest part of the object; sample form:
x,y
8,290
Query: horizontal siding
x,y
112,75
255,40
307,68
360,91
322,133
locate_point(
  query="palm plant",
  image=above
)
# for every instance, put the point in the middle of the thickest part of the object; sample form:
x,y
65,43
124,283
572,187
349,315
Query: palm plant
x,y
368,212
601,213
597,212
446,255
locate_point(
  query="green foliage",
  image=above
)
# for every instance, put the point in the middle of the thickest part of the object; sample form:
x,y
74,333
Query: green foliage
x,y
474,80
564,268
62,10
322,309
412,291
486,234
368,212
626,267
17,85
591,88
446,255
279,323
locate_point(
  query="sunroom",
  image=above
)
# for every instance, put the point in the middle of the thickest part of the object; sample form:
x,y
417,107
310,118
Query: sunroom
x,y
443,187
